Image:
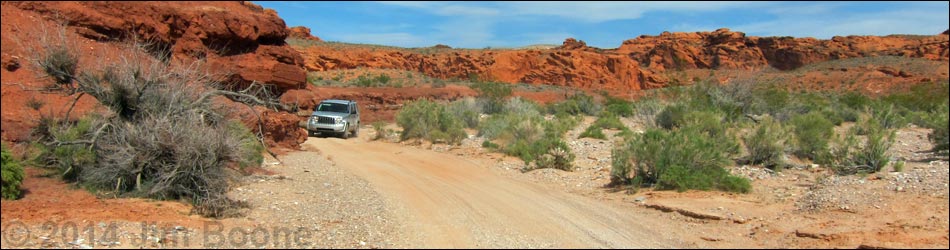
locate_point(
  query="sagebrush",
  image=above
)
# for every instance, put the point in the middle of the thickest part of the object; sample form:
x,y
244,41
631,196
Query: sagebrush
x,y
162,136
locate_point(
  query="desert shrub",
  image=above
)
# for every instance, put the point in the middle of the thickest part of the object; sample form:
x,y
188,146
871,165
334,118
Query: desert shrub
x,y
522,132
609,120
561,123
886,116
56,55
68,159
12,175
558,157
685,158
766,144
733,99
854,100
775,100
521,106
672,116
622,171
715,126
466,109
163,137
899,166
579,103
619,106
939,136
494,95
593,132
383,79
604,121
250,146
490,145
380,128
874,152
646,110
429,120
812,133
921,97
851,157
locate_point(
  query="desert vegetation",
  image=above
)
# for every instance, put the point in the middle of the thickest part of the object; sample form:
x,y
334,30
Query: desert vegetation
x,y
12,173
702,128
695,133
161,137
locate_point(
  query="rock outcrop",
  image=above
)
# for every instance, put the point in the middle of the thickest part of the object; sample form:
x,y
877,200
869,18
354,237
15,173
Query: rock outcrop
x,y
238,38
639,63
302,32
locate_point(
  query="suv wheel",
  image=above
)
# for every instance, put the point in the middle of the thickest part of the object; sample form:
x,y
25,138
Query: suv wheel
x,y
343,134
356,131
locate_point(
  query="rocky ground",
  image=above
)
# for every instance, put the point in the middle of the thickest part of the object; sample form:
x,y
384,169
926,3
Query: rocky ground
x,y
306,200
804,206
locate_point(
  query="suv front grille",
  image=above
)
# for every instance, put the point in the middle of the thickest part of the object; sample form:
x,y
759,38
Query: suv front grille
x,y
325,120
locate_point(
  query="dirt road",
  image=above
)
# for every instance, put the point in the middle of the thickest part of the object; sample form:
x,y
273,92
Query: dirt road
x,y
452,202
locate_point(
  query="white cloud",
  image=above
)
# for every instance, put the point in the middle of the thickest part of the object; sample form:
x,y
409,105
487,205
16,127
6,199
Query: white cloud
x,y
465,33
609,11
474,24
827,26
446,9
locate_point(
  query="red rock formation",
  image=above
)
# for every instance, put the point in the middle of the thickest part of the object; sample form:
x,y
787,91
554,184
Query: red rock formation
x,y
240,38
638,63
302,32
219,31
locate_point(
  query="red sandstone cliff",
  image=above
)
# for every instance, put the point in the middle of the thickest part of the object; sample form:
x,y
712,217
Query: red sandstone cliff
x,y
638,63
237,37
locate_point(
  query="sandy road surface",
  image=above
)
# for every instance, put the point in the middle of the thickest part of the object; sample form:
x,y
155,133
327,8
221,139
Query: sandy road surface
x,y
450,201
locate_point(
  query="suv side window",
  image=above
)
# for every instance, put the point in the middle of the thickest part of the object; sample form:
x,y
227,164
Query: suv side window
x,y
353,109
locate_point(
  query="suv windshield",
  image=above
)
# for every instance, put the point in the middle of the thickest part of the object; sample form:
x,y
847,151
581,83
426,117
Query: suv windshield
x,y
332,107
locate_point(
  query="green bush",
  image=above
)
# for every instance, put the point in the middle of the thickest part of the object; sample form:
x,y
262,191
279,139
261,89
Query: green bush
x,y
852,157
874,152
522,132
646,110
766,144
578,104
380,128
716,127
812,133
250,146
854,100
886,117
672,116
429,120
494,95
939,136
685,158
558,157
67,159
593,132
12,171
921,97
604,121
490,145
619,106
467,110
521,107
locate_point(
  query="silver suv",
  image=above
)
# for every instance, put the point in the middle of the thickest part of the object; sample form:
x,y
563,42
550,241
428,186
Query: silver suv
x,y
335,116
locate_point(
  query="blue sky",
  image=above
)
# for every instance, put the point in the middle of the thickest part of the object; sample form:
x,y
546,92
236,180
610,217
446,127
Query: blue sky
x,y
600,24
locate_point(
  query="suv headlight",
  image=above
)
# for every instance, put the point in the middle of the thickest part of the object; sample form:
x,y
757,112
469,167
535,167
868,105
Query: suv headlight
x,y
338,120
